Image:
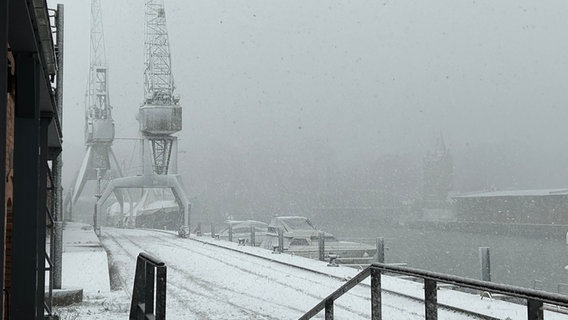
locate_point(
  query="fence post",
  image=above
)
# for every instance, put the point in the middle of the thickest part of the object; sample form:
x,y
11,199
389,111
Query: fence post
x,y
431,299
329,309
138,290
161,293
212,231
150,278
280,240
252,237
230,232
485,261
381,250
534,310
376,308
149,292
321,246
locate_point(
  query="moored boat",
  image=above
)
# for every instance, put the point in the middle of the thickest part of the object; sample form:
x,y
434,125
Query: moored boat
x,y
302,238
241,230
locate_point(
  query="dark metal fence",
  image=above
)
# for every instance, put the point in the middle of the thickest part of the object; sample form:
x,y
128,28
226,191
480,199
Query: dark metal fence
x,y
535,299
147,304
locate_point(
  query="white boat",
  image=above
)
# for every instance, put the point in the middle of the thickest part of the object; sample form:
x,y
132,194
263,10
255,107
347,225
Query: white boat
x,y
302,238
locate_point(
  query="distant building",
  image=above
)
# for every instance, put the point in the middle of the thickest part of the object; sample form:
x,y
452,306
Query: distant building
x,y
438,172
548,206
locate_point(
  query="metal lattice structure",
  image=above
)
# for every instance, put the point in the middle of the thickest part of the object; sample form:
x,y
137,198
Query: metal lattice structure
x,y
98,104
159,82
99,161
162,149
160,116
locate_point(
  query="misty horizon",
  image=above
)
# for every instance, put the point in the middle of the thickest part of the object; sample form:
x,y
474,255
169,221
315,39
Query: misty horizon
x,y
296,96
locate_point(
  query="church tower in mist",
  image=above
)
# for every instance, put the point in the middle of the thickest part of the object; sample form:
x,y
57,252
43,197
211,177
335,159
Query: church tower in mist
x,y
438,172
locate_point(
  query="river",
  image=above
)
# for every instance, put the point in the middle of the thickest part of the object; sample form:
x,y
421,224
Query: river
x,y
516,260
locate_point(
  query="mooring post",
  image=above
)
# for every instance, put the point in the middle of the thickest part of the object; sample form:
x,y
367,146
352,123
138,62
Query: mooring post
x,y
485,261
381,250
252,237
321,246
230,232
280,240
212,231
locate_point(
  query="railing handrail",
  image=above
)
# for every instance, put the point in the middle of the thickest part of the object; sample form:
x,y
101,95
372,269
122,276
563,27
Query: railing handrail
x,y
148,303
535,299
153,260
364,274
509,290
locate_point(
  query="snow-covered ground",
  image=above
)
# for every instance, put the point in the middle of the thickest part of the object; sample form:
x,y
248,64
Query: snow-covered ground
x,y
208,281
85,266
85,260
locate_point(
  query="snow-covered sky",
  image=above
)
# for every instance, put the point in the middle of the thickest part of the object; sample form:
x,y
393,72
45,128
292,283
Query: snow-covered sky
x,y
361,78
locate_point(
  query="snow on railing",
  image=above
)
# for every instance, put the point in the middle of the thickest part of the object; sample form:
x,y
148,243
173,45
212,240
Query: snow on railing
x,y
535,299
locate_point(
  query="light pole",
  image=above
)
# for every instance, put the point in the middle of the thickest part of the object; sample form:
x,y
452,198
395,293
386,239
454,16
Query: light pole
x,y
98,195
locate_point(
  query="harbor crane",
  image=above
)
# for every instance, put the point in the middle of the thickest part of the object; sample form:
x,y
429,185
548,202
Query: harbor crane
x,y
159,117
99,162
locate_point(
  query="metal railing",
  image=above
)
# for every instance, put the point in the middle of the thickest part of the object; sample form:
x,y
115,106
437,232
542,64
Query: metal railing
x,y
147,304
535,299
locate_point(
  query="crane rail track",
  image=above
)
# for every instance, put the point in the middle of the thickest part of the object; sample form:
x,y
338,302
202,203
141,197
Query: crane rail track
x,y
440,305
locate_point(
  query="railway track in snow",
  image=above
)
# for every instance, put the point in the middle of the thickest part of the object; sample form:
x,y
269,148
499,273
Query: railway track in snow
x,y
188,296
188,282
450,308
184,286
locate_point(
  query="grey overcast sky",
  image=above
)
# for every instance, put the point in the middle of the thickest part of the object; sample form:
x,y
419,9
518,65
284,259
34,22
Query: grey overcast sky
x,y
363,78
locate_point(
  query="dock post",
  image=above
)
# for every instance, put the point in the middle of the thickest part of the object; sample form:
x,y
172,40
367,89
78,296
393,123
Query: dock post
x,y
321,246
252,237
280,240
485,261
381,250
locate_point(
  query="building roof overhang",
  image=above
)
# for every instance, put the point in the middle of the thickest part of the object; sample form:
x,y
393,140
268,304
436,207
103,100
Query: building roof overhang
x,y
30,32
513,193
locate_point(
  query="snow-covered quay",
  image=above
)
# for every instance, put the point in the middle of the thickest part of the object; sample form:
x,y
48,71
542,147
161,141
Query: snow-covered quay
x,y
212,279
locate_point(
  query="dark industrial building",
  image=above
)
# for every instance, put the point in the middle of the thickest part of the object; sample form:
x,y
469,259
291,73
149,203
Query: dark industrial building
x,y
31,37
546,207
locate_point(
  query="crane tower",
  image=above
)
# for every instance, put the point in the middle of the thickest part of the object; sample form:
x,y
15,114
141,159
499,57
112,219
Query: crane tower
x,y
159,117
99,161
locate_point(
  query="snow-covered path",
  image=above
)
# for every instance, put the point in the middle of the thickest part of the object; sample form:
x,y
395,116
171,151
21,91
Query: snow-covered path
x,y
208,282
